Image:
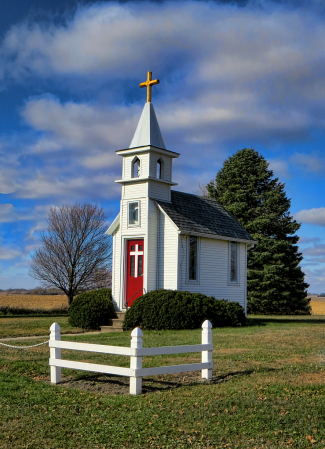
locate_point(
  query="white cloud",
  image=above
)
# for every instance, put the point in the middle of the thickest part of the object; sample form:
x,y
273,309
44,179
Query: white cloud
x,y
315,216
303,240
280,168
308,162
228,72
316,278
317,250
9,253
9,213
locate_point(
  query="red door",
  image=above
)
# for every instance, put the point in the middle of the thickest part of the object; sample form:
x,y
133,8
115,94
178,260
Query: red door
x,y
134,274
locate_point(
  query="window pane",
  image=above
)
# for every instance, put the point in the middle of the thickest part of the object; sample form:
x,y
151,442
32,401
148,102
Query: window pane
x,y
132,247
140,266
193,259
133,213
140,247
233,262
132,266
158,169
136,168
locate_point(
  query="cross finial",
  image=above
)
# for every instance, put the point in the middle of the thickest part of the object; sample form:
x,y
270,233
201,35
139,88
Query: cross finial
x,y
148,84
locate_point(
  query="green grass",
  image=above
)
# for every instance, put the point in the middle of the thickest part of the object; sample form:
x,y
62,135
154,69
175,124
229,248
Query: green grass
x,y
267,391
26,326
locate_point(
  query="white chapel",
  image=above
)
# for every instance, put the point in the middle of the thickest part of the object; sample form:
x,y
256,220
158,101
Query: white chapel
x,y
163,238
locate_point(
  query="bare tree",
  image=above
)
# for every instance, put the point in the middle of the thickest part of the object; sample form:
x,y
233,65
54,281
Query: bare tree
x,y
74,249
101,278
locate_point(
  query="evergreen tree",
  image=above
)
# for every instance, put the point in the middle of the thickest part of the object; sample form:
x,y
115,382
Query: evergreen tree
x,y
246,188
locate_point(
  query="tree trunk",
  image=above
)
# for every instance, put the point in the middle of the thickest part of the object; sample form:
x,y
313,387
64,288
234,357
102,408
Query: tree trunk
x,y
70,299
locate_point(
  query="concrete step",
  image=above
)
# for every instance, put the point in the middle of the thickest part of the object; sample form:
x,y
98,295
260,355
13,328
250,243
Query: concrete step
x,y
115,324
110,329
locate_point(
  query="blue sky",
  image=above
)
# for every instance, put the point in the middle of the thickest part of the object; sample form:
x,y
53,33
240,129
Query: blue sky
x,y
233,75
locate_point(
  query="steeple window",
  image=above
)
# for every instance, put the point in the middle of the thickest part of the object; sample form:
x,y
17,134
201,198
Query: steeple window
x,y
135,173
160,169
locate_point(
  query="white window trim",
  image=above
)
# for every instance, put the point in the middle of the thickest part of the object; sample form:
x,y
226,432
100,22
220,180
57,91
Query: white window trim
x,y
190,281
133,162
139,215
229,263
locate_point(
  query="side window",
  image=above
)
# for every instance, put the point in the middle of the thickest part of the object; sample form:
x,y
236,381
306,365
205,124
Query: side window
x,y
193,269
133,213
160,169
233,263
135,169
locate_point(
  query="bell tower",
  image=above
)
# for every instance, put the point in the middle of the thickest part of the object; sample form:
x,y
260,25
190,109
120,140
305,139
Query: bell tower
x,y
146,177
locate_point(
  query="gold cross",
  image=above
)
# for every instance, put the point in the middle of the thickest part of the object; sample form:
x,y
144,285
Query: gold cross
x,y
148,84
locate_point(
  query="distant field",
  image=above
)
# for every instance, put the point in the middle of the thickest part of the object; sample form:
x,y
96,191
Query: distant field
x,y
56,301
318,306
33,301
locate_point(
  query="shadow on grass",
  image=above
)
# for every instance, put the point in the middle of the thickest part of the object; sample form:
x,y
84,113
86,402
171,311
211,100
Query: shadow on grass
x,y
303,319
113,385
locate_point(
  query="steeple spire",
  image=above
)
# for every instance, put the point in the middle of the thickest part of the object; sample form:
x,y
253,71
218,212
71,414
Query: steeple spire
x,y
148,131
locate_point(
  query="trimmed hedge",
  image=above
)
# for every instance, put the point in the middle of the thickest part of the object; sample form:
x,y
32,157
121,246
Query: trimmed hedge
x,y
92,309
172,309
10,311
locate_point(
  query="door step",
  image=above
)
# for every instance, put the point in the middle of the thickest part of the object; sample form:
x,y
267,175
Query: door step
x,y
115,324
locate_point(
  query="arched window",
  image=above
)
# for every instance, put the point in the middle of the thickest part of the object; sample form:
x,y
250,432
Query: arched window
x,y
135,173
160,169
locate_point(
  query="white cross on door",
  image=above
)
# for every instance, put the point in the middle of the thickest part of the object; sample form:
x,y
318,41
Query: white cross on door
x,y
136,255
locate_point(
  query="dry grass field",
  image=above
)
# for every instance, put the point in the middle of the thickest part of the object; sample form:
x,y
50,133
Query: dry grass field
x,y
33,301
318,306
57,301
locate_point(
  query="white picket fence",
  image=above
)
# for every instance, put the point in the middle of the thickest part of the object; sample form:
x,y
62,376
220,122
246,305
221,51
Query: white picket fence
x,y
135,352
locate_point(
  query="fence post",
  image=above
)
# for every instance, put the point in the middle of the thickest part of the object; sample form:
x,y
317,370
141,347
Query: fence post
x,y
55,353
136,362
207,355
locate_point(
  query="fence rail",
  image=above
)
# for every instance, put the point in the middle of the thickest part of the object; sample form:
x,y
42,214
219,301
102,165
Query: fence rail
x,y
135,352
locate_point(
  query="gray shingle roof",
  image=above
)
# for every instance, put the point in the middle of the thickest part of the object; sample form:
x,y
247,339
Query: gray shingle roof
x,y
192,213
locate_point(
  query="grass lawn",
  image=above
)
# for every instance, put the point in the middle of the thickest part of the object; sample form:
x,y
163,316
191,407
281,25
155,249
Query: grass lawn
x,y
267,391
22,326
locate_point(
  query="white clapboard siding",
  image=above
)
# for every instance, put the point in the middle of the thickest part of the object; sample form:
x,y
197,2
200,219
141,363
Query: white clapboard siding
x,y
133,230
144,165
116,267
152,235
136,190
214,270
167,253
167,166
159,191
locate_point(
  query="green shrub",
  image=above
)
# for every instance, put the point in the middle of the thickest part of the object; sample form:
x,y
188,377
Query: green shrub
x,y
10,311
92,309
172,309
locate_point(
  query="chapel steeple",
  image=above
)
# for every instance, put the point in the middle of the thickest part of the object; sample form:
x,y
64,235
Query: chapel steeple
x,y
147,164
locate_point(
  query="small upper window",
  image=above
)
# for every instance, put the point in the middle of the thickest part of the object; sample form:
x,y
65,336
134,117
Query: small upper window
x,y
134,213
135,168
160,169
192,272
233,262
